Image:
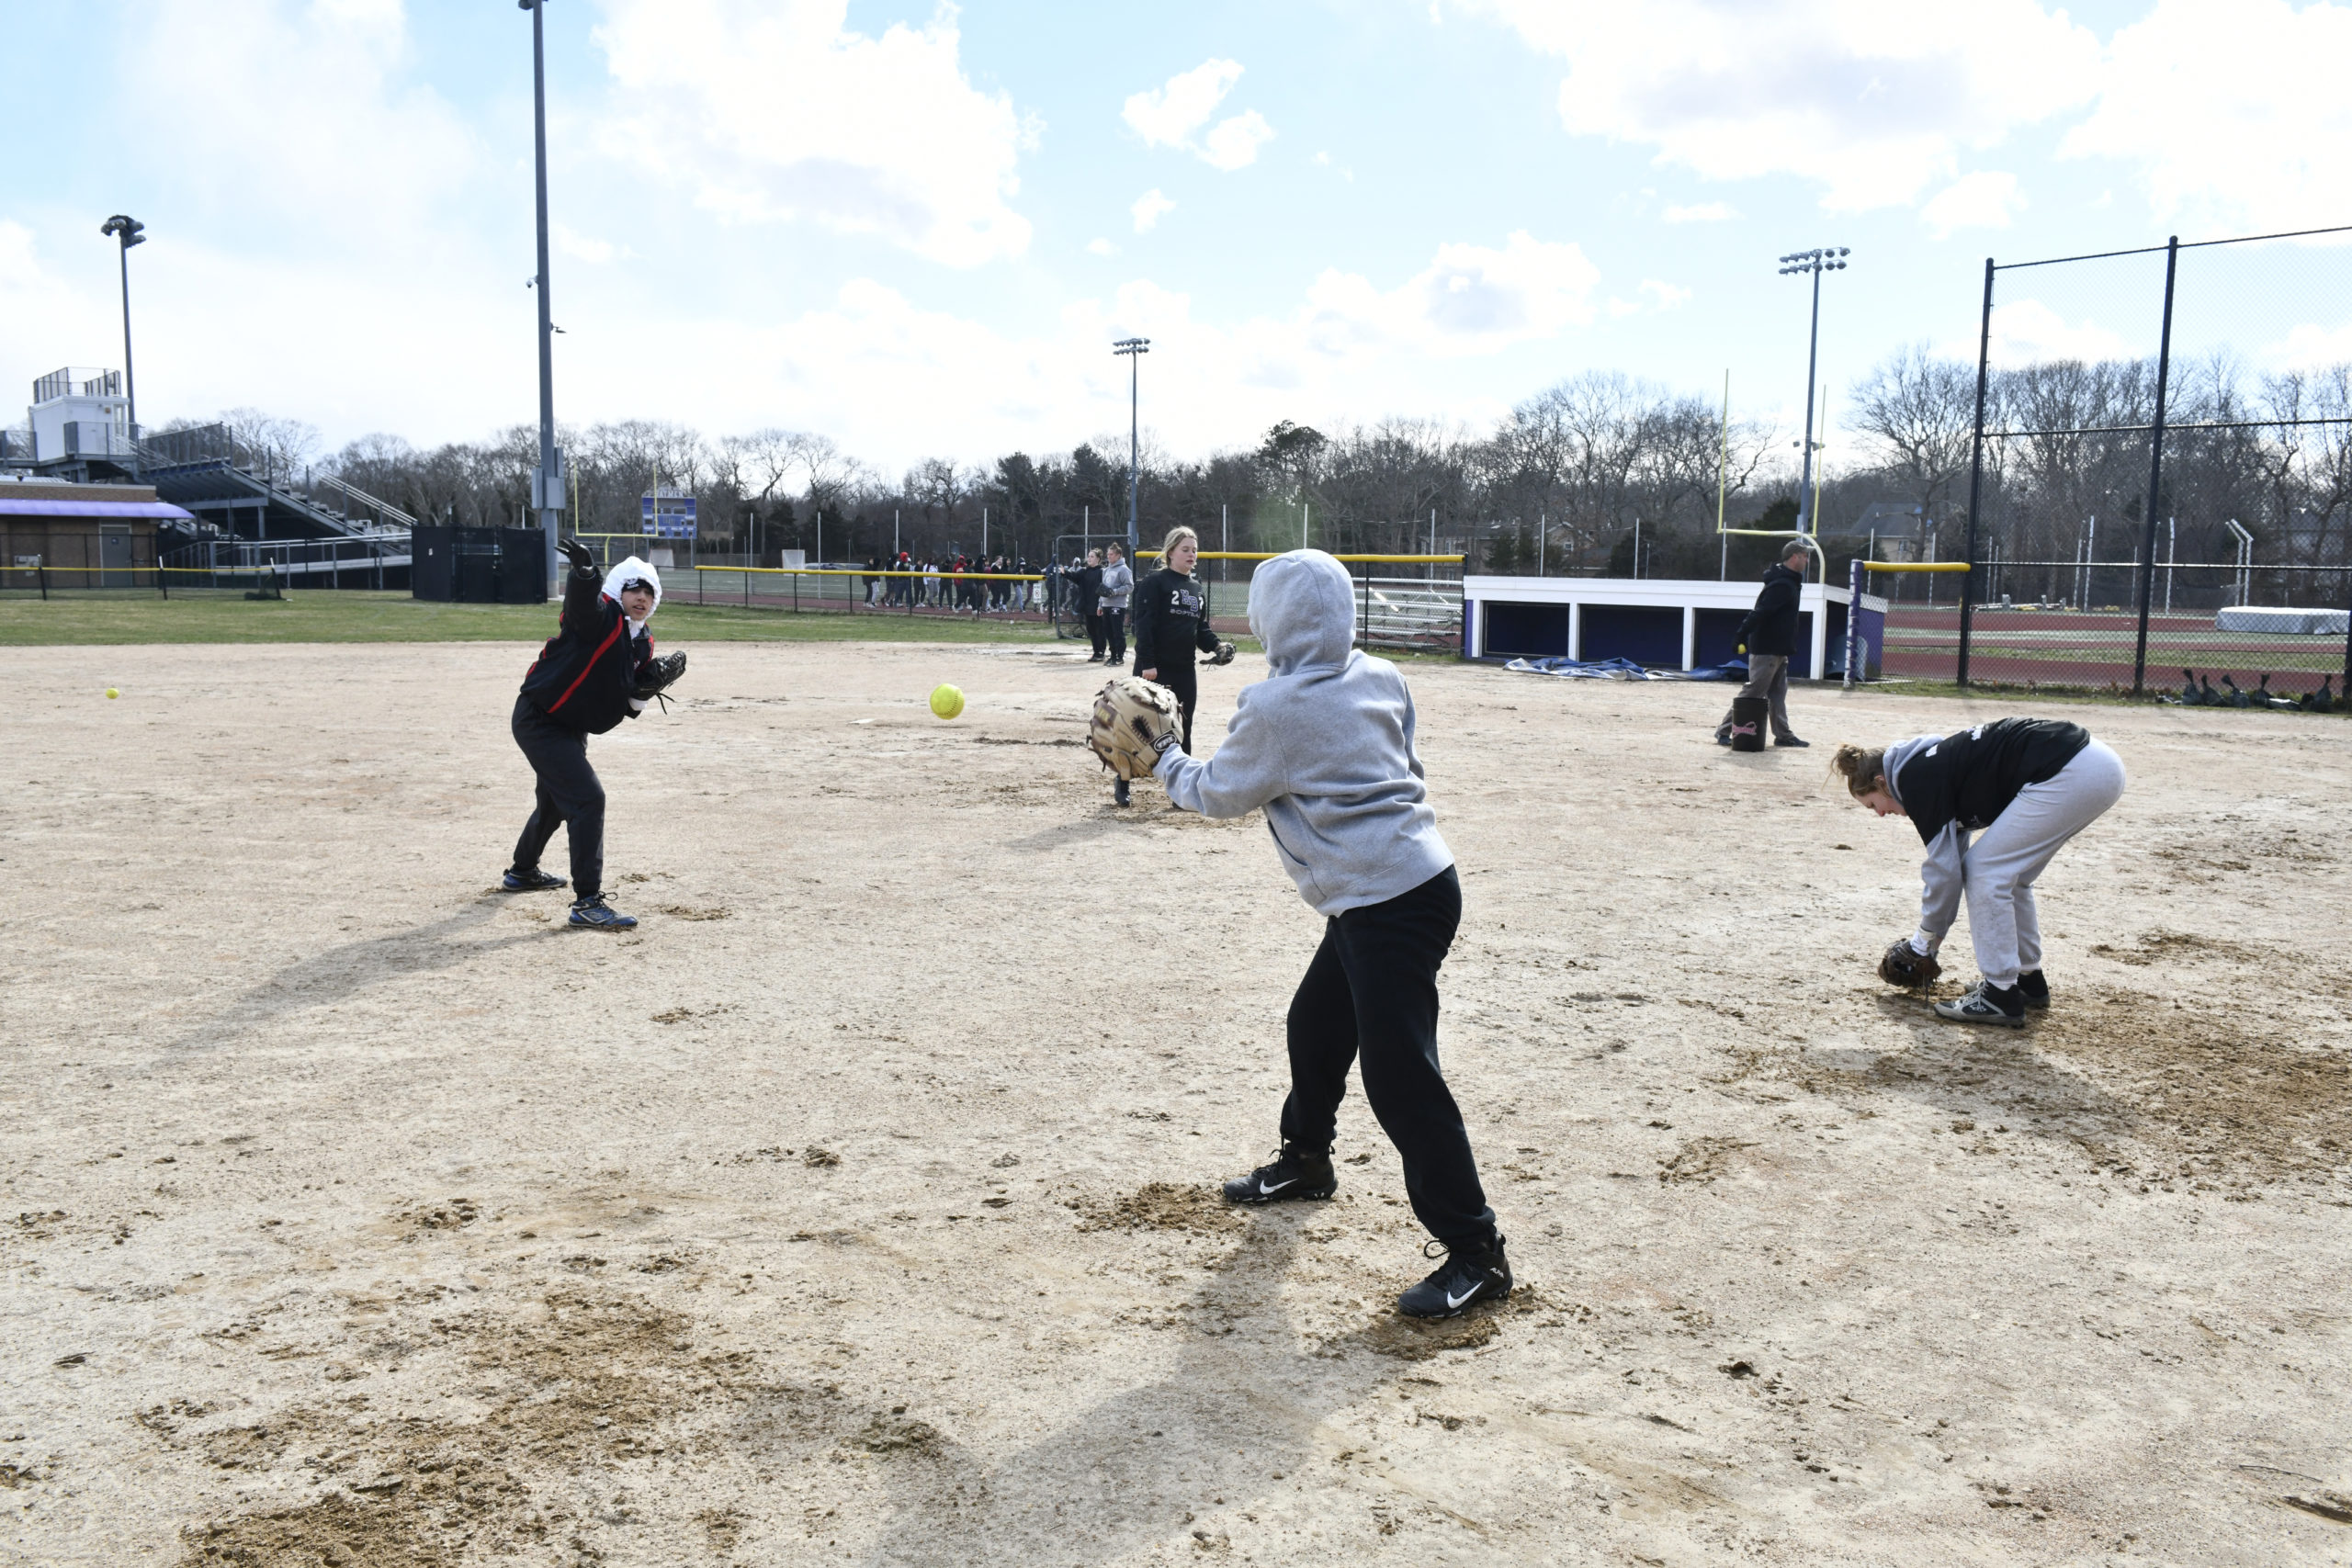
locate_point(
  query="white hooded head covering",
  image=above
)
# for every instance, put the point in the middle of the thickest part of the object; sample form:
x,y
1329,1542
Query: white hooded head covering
x,y
632,570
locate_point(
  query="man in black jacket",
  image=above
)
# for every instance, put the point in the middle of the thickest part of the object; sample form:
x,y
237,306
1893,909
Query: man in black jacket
x,y
582,683
1770,637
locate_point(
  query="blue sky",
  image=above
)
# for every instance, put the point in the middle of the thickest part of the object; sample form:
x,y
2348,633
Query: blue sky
x,y
918,230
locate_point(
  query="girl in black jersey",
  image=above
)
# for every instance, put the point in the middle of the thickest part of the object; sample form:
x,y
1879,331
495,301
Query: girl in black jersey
x,y
2024,786
1171,622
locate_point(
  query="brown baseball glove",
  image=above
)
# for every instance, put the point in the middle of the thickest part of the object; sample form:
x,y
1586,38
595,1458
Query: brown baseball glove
x,y
1134,721
1904,966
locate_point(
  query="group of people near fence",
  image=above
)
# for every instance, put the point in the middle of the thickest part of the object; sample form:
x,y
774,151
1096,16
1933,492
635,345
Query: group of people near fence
x,y
972,585
1095,589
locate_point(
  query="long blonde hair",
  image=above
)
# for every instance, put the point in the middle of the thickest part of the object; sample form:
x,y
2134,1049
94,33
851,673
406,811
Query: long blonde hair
x,y
1862,767
1167,545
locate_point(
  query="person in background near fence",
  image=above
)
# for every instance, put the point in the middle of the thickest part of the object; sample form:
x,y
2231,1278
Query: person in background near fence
x,y
583,683
1325,744
2025,787
1172,622
1086,601
1118,582
1769,636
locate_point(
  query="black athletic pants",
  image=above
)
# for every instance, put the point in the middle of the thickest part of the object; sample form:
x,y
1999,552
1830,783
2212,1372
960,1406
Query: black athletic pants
x,y
569,794
1094,630
1184,681
1114,632
1371,998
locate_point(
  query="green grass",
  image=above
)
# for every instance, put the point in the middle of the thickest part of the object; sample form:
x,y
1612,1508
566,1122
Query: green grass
x,y
356,616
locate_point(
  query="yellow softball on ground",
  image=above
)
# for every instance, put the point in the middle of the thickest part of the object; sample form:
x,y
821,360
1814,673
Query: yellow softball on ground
x,y
946,701
112,693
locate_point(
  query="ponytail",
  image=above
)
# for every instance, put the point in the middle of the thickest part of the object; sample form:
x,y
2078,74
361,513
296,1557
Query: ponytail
x,y
1862,767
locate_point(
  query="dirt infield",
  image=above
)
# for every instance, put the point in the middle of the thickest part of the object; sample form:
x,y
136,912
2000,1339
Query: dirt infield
x,y
854,1208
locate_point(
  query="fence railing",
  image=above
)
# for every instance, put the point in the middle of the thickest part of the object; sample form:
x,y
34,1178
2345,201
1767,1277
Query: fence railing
x,y
1400,613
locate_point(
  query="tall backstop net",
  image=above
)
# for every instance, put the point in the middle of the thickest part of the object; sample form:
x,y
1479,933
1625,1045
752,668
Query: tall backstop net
x,y
2161,476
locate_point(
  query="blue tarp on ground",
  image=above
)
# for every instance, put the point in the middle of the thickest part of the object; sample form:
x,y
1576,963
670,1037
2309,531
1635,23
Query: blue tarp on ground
x,y
1626,669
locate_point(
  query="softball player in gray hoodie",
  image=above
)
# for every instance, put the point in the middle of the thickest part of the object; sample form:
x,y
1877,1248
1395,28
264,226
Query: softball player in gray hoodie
x,y
1325,745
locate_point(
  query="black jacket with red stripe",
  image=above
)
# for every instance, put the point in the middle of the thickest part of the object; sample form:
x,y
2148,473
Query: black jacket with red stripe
x,y
582,678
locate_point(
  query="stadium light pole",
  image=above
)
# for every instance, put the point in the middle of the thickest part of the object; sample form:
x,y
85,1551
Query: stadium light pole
x,y
1134,348
130,231
1828,259
547,488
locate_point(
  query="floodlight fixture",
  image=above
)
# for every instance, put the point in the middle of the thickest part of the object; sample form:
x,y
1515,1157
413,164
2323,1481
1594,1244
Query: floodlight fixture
x,y
1133,349
1824,258
128,231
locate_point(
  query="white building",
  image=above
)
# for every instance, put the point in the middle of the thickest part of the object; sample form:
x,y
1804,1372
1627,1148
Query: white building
x,y
79,414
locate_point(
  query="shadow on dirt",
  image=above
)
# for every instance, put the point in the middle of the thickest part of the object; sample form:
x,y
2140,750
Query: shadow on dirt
x,y
337,974
1236,1411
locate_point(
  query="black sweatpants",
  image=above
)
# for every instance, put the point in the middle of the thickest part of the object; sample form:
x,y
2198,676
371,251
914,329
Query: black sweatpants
x,y
1114,632
1094,630
1184,681
1371,998
569,795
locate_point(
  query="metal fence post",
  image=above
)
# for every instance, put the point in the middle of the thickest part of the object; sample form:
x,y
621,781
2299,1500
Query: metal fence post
x,y
1853,615
1975,476
1363,617
40,575
2155,473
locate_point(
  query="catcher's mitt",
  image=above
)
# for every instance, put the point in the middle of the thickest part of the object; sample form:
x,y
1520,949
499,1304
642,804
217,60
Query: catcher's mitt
x,y
1224,654
656,676
1904,966
1134,721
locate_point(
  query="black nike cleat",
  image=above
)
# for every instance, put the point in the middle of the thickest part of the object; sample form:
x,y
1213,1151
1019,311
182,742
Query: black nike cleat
x,y
1295,1173
531,881
1985,1004
594,914
1465,1278
2035,989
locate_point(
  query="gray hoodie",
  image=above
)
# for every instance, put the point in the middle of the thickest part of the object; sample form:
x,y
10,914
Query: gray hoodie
x,y
1325,743
1118,582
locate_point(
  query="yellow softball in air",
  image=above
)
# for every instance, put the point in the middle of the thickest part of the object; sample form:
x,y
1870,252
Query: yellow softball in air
x,y
946,701
112,693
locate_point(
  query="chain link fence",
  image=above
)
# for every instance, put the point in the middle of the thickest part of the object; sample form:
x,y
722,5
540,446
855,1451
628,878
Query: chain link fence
x,y
2160,477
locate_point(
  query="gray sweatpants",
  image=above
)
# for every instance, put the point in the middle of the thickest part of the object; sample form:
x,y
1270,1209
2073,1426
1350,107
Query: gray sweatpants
x,y
2007,858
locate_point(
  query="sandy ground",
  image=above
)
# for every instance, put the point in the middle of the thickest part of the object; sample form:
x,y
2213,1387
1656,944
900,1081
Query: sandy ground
x,y
854,1208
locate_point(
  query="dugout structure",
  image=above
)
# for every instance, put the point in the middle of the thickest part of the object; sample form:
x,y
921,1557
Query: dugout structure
x,y
478,566
1660,623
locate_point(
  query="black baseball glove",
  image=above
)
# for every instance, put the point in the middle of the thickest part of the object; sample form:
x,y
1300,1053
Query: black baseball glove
x,y
656,676
1904,966
583,559
1224,654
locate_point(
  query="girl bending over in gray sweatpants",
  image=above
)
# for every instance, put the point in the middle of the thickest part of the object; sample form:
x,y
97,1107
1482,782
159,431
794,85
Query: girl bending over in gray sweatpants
x,y
2023,787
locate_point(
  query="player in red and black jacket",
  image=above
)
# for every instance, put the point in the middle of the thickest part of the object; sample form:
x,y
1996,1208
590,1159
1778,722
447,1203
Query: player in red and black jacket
x,y
597,671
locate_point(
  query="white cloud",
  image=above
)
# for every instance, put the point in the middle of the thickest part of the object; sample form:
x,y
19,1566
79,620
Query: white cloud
x,y
2234,110
1167,116
1235,143
1102,247
1172,115
776,112
1469,300
2026,331
1870,98
1705,212
1149,209
1652,296
1986,199
581,247
214,91
2310,347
